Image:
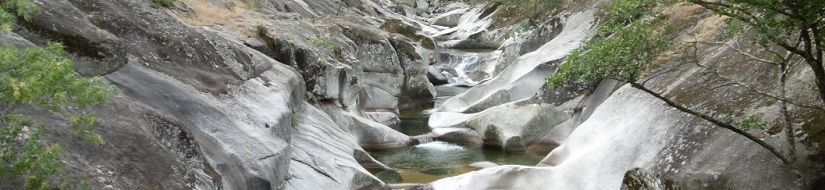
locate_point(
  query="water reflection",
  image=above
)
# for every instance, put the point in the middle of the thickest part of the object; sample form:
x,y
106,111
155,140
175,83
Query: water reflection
x,y
428,162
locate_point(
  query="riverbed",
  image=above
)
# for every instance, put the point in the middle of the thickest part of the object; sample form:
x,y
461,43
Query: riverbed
x,y
432,160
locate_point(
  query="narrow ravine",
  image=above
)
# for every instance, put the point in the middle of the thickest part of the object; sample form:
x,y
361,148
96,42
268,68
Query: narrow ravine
x,y
434,159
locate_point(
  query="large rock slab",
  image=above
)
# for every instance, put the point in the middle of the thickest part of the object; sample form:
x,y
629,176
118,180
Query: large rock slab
x,y
542,122
600,151
366,132
222,115
449,19
324,155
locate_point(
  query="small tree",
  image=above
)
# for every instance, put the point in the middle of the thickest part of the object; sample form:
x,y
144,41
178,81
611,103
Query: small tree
x,y
785,23
623,47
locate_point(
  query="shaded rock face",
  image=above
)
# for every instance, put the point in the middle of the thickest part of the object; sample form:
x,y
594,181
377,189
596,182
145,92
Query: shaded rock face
x,y
641,179
391,69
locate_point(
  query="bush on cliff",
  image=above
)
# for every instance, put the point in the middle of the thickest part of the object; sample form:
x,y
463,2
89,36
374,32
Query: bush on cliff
x,y
39,77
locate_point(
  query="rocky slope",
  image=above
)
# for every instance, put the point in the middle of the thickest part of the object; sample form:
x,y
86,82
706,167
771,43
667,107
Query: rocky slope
x,y
207,100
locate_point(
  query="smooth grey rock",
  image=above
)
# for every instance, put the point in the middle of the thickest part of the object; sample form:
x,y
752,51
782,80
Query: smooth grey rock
x,y
449,19
9,38
513,126
366,132
435,76
320,146
337,83
523,78
422,6
376,99
482,165
610,140
386,118
407,2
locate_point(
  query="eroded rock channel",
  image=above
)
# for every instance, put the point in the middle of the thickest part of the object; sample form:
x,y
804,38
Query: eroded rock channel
x,y
432,158
368,94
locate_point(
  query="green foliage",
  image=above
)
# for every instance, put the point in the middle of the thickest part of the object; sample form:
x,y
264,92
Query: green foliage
x,y
294,120
164,3
42,77
82,127
733,28
747,122
533,10
776,21
629,11
795,25
323,43
262,30
22,155
10,10
517,31
622,48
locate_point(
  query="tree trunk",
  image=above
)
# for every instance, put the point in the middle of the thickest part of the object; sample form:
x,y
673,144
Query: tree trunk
x,y
819,74
783,108
786,119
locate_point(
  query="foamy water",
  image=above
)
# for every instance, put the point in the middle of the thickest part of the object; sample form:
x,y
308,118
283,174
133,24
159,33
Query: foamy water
x,y
439,146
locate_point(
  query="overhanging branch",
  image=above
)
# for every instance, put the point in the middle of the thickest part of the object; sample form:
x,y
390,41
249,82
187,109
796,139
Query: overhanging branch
x,y
714,121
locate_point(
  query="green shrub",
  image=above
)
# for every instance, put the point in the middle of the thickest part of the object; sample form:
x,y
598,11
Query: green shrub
x,y
42,77
11,10
164,3
623,46
262,30
532,10
517,31
323,43
294,121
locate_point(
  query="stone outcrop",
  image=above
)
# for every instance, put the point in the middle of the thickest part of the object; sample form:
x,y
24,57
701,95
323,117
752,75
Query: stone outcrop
x,y
615,145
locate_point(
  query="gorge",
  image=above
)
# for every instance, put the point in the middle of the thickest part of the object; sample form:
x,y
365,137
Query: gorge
x,y
410,94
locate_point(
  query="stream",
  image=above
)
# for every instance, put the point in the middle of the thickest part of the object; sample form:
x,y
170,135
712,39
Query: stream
x,y
433,160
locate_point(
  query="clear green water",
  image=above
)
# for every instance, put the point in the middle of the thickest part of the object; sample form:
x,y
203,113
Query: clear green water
x,y
428,162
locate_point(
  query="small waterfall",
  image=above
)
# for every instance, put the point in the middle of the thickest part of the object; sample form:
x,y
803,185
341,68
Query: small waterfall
x,y
466,68
425,140
463,66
